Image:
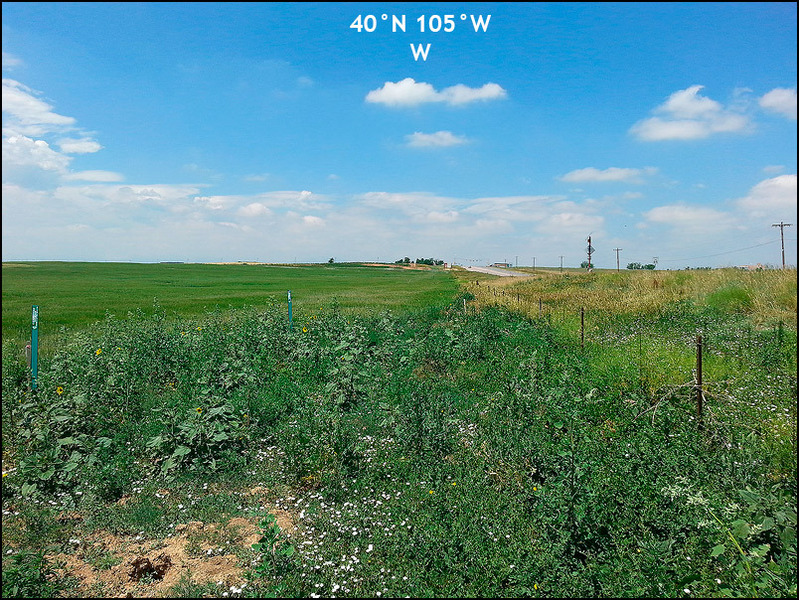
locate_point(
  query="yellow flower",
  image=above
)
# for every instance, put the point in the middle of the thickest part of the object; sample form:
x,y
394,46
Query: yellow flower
x,y
431,491
305,330
199,410
98,352
59,390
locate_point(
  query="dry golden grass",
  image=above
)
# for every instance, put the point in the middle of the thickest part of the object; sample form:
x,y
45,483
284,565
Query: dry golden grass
x,y
767,297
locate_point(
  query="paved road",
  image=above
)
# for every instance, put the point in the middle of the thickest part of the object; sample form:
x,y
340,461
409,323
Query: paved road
x,y
498,271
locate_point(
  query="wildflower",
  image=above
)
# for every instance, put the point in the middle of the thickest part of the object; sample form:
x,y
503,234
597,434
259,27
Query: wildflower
x,y
98,352
59,390
199,410
305,330
431,491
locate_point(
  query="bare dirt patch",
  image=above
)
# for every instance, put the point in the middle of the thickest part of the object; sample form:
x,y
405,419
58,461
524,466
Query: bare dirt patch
x,y
112,566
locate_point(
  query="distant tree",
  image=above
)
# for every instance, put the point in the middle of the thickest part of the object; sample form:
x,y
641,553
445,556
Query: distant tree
x,y
650,266
331,261
634,265
586,265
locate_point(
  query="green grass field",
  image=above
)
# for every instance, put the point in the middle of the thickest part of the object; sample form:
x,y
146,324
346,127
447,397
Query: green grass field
x,y
462,445
74,295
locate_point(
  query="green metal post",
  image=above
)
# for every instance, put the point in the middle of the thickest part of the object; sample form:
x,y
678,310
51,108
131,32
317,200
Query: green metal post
x,y
34,347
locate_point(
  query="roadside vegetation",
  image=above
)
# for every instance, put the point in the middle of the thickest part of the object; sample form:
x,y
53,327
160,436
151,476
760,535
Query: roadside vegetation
x,y
489,444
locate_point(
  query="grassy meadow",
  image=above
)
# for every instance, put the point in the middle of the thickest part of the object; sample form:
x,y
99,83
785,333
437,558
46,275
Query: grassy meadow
x,y
429,434
75,295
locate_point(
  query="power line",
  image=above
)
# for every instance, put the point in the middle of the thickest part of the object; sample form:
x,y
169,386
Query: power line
x,y
719,253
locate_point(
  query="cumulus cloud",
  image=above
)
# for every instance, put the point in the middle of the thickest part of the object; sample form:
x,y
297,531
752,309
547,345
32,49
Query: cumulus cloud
x,y
30,152
409,92
781,101
687,115
773,198
439,139
22,151
616,174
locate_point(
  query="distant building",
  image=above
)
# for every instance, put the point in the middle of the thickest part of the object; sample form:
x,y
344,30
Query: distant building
x,y
502,265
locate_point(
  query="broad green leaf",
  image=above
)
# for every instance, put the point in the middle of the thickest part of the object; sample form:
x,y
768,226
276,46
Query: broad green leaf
x,y
740,529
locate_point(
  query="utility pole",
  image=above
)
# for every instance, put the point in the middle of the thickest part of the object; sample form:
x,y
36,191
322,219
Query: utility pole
x,y
590,250
782,226
534,263
617,250
561,263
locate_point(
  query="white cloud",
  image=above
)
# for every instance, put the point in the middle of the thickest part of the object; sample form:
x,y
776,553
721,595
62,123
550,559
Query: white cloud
x,y
781,101
10,61
616,174
409,92
439,139
30,154
686,115
22,151
255,209
31,116
99,176
773,198
461,94
573,223
257,178
313,221
690,218
81,146
449,216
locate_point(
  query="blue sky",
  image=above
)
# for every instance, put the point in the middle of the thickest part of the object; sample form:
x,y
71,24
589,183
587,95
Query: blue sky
x,y
277,132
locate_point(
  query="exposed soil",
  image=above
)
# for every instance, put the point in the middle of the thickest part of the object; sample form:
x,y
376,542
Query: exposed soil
x,y
113,566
